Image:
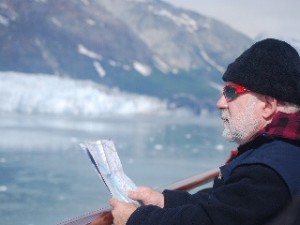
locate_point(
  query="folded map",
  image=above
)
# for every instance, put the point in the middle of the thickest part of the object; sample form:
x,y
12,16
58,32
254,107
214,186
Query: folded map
x,y
104,157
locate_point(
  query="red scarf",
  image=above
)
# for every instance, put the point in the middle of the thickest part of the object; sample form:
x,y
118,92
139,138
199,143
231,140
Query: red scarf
x,y
284,125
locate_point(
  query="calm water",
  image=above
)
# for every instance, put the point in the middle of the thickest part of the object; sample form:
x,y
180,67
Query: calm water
x,y
45,178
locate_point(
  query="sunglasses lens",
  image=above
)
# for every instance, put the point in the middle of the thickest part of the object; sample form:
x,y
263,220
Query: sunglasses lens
x,y
230,93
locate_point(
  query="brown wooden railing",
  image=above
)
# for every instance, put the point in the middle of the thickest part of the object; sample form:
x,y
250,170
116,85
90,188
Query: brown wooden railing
x,y
104,216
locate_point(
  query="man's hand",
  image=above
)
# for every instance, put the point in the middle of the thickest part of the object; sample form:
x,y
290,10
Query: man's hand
x,y
148,196
121,211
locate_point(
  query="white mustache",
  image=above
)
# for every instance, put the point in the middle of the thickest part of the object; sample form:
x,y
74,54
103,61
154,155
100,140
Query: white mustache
x,y
224,115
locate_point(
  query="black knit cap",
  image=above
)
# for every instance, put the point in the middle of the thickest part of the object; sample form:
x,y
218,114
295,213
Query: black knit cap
x,y
269,67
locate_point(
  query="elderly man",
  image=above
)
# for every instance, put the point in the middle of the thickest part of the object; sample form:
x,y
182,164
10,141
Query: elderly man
x,y
260,108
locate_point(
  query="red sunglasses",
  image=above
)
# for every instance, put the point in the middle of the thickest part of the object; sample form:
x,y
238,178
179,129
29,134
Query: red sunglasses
x,y
232,91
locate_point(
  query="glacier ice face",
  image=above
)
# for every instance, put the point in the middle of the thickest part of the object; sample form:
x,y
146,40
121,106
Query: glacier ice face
x,y
47,94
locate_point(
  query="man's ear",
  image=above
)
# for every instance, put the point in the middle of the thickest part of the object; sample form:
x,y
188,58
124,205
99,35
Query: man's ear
x,y
270,107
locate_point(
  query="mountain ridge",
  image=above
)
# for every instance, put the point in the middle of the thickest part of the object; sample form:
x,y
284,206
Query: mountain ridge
x,y
146,47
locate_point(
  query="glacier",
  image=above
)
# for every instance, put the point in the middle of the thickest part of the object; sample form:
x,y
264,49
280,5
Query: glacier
x,y
49,94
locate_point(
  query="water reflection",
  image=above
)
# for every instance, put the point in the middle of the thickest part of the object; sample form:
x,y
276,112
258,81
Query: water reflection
x,y
46,178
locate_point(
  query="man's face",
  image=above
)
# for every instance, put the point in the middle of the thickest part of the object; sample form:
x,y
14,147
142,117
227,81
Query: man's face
x,y
240,116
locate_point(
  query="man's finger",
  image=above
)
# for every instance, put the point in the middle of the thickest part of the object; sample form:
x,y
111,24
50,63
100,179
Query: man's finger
x,y
114,202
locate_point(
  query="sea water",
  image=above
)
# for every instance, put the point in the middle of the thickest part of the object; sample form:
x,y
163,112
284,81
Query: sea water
x,y
45,177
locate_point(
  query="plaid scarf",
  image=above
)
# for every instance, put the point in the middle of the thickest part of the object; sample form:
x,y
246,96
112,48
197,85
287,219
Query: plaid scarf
x,y
283,125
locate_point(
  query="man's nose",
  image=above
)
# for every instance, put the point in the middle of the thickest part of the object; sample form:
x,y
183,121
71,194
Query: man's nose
x,y
222,103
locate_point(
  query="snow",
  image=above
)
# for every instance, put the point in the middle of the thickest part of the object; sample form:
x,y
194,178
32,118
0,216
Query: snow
x,y
48,94
113,63
90,22
181,21
89,53
4,21
142,68
100,70
212,62
56,22
162,66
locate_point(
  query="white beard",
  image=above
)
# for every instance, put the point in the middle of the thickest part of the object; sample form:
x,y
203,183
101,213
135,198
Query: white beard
x,y
243,125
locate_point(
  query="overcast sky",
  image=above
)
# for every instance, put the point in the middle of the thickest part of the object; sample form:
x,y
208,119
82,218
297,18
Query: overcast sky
x,y
273,18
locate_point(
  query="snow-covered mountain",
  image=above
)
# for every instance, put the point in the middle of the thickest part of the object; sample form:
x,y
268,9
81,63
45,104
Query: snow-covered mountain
x,y
147,47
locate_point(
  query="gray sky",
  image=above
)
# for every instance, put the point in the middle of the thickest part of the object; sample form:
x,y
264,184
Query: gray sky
x,y
273,18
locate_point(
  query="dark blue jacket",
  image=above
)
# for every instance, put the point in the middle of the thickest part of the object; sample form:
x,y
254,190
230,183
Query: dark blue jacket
x,y
253,188
281,156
